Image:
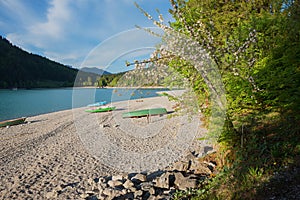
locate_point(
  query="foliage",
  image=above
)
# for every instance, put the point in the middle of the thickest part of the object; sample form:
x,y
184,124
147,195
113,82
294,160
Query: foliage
x,y
109,80
21,69
255,46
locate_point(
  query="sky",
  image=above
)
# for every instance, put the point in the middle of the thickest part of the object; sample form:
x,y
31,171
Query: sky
x,y
82,33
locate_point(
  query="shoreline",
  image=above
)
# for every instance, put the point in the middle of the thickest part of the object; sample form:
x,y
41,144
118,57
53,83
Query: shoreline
x,y
60,149
34,113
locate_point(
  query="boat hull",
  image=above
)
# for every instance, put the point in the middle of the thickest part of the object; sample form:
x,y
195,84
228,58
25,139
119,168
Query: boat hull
x,y
145,112
102,103
12,122
106,109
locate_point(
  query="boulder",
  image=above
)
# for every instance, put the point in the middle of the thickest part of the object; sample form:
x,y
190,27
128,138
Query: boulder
x,y
113,184
128,184
117,178
198,167
163,181
183,183
138,193
180,166
139,178
146,186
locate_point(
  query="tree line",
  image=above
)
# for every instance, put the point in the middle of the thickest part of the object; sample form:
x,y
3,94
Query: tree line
x,y
20,69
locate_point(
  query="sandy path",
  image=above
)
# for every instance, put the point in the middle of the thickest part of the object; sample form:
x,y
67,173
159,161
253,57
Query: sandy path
x,y
60,149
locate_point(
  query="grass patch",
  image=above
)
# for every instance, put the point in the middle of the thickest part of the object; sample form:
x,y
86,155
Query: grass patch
x,y
260,146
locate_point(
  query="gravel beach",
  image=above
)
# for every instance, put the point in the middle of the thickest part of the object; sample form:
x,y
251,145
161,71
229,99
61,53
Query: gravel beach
x,y
57,150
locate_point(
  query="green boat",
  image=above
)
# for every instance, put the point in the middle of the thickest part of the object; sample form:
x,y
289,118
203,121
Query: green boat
x,y
144,113
12,122
101,109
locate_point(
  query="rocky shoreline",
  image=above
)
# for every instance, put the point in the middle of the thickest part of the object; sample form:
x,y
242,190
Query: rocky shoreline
x,y
186,174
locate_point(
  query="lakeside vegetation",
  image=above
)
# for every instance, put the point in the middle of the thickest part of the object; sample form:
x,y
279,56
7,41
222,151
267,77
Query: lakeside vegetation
x,y
255,46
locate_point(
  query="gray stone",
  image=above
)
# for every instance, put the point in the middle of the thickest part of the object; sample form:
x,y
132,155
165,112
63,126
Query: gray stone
x,y
102,197
117,178
162,197
102,186
146,186
128,184
198,167
113,184
183,183
132,189
139,178
180,166
83,195
151,191
51,195
163,181
124,191
152,198
107,191
138,193
110,192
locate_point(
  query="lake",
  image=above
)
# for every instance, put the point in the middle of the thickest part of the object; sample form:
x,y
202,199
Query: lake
x,y
20,103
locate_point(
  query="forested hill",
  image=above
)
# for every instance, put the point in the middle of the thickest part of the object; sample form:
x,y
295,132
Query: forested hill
x,y
21,69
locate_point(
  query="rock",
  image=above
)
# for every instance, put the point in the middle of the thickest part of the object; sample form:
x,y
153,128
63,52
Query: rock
x,y
183,183
152,198
128,184
163,181
162,197
180,166
111,193
146,186
208,150
102,197
107,191
124,191
152,191
198,167
91,181
190,156
138,193
117,177
83,195
89,192
113,184
101,186
132,189
139,178
51,195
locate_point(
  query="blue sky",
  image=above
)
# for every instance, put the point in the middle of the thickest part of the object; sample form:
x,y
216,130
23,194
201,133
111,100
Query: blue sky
x,y
75,32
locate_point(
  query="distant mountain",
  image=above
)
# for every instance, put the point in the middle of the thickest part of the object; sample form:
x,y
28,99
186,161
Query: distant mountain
x,y
95,70
21,69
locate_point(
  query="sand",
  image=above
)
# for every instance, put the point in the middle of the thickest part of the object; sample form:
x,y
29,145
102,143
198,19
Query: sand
x,y
59,149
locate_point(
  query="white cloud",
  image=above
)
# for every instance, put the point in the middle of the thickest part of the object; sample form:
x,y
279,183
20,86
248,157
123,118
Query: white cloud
x,y
70,29
58,15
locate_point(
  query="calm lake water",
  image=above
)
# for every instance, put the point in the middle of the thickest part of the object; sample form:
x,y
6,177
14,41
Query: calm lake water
x,y
20,103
